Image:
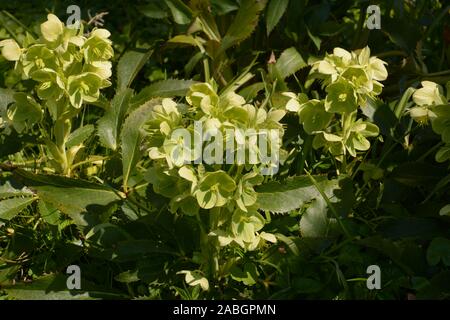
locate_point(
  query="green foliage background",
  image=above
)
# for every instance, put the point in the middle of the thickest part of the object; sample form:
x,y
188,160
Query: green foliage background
x,y
387,206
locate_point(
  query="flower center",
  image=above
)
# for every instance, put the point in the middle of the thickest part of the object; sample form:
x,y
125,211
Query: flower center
x,y
84,87
342,97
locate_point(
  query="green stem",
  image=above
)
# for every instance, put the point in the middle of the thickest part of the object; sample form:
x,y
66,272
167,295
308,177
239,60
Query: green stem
x,y
61,132
208,247
206,68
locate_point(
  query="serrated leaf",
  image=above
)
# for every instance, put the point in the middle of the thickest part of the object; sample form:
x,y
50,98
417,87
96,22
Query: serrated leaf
x,y
79,136
163,89
294,192
244,23
275,11
129,66
110,124
288,195
70,196
8,191
289,63
9,208
222,7
132,135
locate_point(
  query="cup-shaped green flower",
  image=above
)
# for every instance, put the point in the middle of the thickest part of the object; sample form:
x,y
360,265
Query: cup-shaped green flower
x,y
203,96
431,104
214,189
441,121
101,68
359,78
358,134
430,94
165,117
313,116
38,57
246,195
245,224
334,64
177,151
375,67
98,47
51,85
357,67
24,112
84,87
255,117
420,114
341,98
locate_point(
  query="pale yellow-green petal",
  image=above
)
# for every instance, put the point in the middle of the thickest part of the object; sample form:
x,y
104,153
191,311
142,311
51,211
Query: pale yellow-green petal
x,y
10,50
52,29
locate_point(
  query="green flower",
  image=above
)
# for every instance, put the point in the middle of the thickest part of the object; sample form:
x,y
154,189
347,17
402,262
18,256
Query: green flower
x,y
312,113
313,116
214,189
245,195
231,99
334,64
25,111
359,78
51,85
52,29
358,67
355,139
165,117
245,224
177,151
420,114
101,68
10,50
341,98
84,87
358,133
98,47
330,142
430,94
441,121
38,57
203,96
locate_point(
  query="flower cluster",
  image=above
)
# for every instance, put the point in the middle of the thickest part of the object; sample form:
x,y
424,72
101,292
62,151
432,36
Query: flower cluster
x,y
196,173
432,105
63,62
350,80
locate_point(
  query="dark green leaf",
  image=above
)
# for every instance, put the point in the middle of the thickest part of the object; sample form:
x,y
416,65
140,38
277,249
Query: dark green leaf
x,y
275,11
244,23
129,66
110,124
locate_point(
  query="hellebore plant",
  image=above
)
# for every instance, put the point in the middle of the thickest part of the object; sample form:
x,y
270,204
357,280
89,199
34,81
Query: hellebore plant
x,y
431,105
69,69
218,191
351,80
